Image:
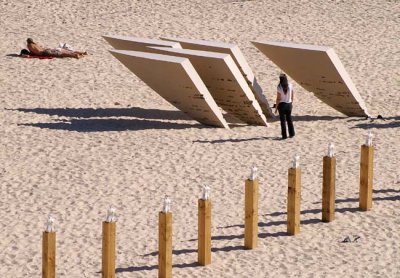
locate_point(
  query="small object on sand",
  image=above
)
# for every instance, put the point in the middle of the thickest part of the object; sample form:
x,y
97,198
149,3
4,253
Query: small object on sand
x,y
352,238
346,239
64,45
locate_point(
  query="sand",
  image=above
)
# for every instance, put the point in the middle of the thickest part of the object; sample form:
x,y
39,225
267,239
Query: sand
x,y
79,135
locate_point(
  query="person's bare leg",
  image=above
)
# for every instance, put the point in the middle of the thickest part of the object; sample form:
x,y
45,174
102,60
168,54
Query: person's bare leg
x,y
69,54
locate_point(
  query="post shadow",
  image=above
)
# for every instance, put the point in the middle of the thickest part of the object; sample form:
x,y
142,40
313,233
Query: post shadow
x,y
213,249
389,190
152,267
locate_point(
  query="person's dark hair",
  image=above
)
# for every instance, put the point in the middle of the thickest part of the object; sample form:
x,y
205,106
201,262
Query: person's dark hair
x,y
283,82
29,40
24,52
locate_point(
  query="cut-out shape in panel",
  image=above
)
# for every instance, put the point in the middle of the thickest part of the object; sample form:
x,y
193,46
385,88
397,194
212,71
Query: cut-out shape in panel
x,y
224,81
239,59
137,44
319,70
175,79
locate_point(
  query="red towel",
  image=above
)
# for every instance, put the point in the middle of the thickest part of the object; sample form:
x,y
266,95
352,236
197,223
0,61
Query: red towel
x,y
38,57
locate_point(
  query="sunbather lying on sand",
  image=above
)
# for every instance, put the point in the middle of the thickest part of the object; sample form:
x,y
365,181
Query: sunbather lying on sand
x,y
38,50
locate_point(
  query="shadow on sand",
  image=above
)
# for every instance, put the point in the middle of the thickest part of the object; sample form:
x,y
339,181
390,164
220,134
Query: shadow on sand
x,y
312,118
136,112
220,141
390,122
261,235
177,252
98,125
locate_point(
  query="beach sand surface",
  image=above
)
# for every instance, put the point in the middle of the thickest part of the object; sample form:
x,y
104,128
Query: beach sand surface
x,y
80,135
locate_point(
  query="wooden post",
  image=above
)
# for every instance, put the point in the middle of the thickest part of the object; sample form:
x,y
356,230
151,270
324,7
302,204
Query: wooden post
x,y
49,255
204,248
165,245
293,204
366,176
251,214
328,188
108,250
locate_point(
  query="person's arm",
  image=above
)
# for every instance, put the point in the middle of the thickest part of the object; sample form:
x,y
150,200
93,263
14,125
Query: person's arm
x,y
278,99
292,96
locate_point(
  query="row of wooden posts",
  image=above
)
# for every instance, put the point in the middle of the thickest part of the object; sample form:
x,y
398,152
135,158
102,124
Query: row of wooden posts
x,y
204,216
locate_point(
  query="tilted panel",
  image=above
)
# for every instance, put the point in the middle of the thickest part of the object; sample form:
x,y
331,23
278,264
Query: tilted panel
x,y
319,70
239,59
175,79
224,82
137,44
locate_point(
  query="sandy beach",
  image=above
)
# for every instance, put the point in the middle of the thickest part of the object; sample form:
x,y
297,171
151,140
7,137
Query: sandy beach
x,y
79,135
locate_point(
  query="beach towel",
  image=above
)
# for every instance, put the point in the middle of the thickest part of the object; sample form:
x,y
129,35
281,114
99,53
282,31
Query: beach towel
x,y
34,56
26,54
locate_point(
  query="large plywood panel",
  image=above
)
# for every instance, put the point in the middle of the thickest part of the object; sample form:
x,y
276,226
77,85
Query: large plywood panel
x,y
224,81
239,59
175,79
319,70
137,44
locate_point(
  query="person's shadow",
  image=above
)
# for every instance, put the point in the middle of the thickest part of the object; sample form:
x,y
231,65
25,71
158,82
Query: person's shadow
x,y
13,55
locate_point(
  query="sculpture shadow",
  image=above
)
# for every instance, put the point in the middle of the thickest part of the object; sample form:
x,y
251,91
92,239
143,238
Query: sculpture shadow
x,y
101,125
220,141
394,122
135,112
312,118
378,125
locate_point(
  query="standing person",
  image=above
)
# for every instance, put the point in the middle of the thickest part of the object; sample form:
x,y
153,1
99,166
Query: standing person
x,y
284,104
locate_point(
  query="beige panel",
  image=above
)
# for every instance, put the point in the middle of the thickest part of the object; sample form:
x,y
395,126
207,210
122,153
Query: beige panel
x,y
239,59
175,79
317,69
137,44
224,81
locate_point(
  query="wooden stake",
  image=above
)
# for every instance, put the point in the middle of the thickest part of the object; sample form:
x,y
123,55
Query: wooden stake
x,y
293,205
108,250
49,255
165,245
366,177
328,188
251,214
204,248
